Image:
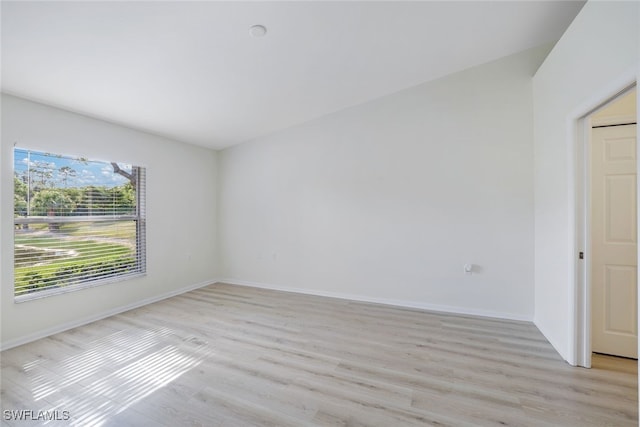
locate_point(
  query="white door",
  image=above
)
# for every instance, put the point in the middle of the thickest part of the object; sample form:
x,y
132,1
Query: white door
x,y
613,241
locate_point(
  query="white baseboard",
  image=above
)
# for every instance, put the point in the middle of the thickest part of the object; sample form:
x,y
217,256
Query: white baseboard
x,y
385,301
86,320
398,303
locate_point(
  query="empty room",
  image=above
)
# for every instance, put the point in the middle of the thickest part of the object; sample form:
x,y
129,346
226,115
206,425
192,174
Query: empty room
x,y
319,213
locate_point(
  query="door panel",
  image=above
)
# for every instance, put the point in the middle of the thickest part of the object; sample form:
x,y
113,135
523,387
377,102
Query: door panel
x,y
614,241
620,292
620,214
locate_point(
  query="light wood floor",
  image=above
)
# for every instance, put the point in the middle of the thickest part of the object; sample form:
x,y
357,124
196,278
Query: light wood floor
x,y
236,356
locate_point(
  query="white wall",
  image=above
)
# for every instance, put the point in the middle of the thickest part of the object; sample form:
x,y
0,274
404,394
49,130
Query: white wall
x,y
596,56
386,201
618,112
181,205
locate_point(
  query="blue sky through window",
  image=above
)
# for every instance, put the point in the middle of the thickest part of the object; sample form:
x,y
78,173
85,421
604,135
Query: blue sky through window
x,y
80,173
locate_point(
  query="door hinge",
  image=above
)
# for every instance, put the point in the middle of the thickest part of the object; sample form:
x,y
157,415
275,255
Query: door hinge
x,y
581,255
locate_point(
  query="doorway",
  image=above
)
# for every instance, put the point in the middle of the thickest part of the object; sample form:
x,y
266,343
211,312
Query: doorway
x,y
613,228
606,268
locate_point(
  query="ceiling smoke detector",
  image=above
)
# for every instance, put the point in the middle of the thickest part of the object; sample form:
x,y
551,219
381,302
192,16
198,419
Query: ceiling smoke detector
x,y
257,30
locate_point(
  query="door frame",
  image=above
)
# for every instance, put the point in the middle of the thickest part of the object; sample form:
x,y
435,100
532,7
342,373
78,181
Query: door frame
x,y
580,137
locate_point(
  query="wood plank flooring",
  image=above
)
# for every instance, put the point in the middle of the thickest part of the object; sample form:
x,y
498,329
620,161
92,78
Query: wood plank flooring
x,y
226,355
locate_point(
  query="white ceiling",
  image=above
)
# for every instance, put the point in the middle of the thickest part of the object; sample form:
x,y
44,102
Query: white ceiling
x,y
191,72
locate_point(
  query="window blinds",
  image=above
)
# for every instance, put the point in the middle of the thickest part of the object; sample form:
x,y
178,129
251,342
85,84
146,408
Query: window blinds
x,y
77,223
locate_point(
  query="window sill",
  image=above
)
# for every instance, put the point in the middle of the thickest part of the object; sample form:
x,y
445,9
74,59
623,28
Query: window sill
x,y
72,288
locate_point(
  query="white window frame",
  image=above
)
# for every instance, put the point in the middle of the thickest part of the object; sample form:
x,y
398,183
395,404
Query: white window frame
x,y
140,220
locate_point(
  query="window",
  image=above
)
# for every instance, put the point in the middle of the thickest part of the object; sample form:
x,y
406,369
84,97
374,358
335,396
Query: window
x,y
77,223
